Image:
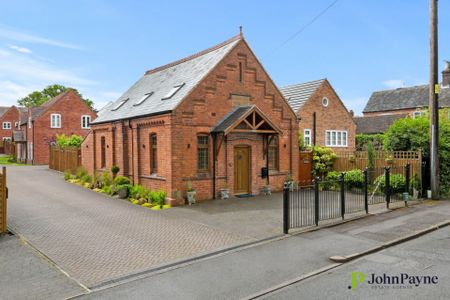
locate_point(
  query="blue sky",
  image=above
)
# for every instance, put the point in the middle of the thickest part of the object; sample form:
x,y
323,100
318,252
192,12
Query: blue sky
x,y
102,47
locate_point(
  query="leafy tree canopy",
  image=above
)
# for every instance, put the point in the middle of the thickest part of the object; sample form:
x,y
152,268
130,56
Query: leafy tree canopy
x,y
38,98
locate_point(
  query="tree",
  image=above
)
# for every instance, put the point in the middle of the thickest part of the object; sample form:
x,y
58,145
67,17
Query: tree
x,y
37,98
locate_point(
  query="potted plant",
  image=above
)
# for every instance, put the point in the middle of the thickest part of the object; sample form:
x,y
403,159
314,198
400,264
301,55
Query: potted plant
x,y
114,170
190,193
225,192
266,190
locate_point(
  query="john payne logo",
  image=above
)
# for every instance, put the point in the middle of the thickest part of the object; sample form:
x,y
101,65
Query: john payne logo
x,y
384,281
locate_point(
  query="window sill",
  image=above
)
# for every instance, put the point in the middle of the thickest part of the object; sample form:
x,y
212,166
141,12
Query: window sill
x,y
155,177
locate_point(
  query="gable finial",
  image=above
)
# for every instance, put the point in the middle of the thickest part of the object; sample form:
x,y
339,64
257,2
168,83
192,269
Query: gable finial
x,y
241,33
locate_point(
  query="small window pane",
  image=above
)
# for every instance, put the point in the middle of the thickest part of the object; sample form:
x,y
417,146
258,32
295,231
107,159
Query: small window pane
x,y
173,91
202,152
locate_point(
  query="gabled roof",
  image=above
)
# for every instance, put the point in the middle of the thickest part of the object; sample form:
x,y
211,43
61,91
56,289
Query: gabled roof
x,y
238,115
168,85
298,94
376,124
404,98
3,109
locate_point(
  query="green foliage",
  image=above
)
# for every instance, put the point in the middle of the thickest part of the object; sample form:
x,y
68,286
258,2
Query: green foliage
x,y
37,98
413,134
354,179
138,192
67,175
107,189
370,155
301,140
331,181
114,170
80,172
158,197
362,141
106,178
64,141
323,159
86,178
397,182
189,186
121,180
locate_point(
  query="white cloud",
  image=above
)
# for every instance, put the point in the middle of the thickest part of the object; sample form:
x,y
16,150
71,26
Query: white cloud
x,y
394,83
20,49
13,35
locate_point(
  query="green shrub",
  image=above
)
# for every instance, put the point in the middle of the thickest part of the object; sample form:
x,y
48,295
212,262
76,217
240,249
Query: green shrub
x,y
121,180
86,178
64,141
354,179
67,175
330,182
106,178
397,182
158,197
138,191
107,189
80,172
323,158
114,170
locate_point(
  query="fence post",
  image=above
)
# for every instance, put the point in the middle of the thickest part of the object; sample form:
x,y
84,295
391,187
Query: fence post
x,y
286,209
316,201
407,177
366,190
342,186
387,185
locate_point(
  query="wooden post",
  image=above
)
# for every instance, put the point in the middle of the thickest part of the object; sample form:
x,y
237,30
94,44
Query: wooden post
x,y
3,206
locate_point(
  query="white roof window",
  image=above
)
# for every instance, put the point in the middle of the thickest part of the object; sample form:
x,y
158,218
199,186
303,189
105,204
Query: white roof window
x,y
173,91
142,100
120,104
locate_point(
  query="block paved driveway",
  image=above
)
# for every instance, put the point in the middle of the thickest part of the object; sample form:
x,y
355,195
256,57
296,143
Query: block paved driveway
x,y
95,238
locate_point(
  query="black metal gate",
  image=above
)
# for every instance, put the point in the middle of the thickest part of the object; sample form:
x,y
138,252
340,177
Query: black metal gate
x,y
332,199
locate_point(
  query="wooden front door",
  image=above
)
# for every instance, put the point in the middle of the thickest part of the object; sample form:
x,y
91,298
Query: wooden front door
x,y
305,176
241,170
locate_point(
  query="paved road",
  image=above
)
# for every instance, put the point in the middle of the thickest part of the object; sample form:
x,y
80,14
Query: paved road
x,y
26,275
428,255
95,238
248,271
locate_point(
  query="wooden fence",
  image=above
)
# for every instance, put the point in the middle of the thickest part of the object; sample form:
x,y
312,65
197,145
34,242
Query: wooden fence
x,y
64,159
9,148
349,160
3,196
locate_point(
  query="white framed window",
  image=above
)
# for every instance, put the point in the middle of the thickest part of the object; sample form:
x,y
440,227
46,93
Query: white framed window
x,y
307,137
55,121
6,125
173,91
16,125
85,121
122,102
7,138
325,101
142,100
336,138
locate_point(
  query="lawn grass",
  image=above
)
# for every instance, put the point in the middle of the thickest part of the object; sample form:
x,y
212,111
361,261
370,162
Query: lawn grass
x,y
4,161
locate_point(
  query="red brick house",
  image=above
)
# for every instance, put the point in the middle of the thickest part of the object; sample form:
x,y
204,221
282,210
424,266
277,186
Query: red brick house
x,y
214,119
334,124
9,121
65,114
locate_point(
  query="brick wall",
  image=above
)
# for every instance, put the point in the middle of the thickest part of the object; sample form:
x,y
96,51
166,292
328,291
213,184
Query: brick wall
x,y
71,107
332,117
12,116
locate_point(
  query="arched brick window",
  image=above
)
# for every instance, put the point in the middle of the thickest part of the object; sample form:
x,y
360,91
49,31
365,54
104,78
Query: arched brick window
x,y
274,153
153,154
203,152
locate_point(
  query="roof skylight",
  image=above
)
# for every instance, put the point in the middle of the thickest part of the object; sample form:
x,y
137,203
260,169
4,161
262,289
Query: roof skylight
x,y
142,100
120,104
173,91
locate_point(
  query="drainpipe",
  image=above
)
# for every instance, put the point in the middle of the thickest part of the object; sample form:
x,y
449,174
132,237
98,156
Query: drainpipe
x,y
290,148
32,144
214,136
132,150
314,128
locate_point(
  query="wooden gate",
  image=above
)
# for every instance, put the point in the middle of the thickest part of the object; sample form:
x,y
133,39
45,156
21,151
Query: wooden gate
x,y
3,197
305,175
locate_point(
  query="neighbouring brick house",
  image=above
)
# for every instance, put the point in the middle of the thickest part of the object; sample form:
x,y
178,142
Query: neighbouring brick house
x,y
65,114
213,119
9,121
412,101
335,126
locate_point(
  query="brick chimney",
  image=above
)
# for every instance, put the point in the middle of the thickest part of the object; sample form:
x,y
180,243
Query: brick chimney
x,y
446,75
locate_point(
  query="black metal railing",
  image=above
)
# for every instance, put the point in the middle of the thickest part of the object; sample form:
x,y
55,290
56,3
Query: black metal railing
x,y
333,198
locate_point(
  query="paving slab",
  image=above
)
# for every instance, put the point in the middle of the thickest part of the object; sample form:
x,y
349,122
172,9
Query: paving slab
x,y
24,274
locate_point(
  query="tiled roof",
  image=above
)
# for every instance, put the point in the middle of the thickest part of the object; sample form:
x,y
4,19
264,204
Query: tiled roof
x,y
376,124
404,98
3,109
159,82
229,119
298,94
36,111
